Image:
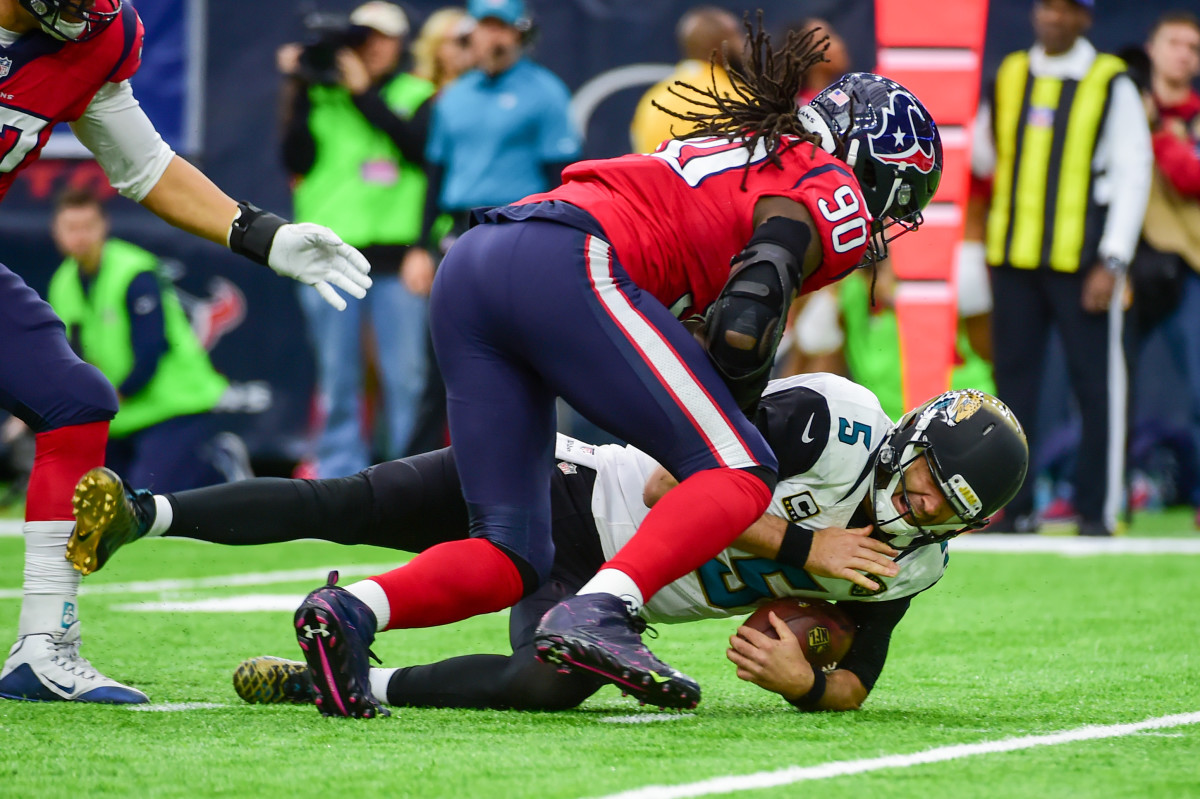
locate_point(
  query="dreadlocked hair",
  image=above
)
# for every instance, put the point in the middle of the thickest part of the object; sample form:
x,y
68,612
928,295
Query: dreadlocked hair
x,y
762,107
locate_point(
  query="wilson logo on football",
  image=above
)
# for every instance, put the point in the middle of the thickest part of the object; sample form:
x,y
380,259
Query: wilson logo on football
x,y
898,143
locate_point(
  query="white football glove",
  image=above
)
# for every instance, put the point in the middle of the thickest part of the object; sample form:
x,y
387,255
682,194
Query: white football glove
x,y
314,254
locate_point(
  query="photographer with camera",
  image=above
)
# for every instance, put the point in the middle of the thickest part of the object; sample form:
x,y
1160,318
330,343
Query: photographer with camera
x,y
354,142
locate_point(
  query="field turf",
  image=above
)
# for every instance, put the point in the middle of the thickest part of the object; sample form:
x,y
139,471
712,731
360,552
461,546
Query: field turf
x,y
1007,646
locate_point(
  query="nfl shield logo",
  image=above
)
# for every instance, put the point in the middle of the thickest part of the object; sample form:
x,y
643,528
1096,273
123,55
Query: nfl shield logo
x,y
5,66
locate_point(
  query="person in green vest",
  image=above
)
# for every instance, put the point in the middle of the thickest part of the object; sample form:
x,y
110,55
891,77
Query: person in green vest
x,y
123,317
354,142
1063,135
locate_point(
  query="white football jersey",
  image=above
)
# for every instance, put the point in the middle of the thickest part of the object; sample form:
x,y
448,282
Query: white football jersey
x,y
824,430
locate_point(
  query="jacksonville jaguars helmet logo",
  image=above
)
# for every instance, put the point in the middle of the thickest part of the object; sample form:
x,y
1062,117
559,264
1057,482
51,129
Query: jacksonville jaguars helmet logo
x,y
965,406
898,142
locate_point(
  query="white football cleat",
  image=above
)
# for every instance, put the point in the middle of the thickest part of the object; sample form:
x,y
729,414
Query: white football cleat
x,y
47,667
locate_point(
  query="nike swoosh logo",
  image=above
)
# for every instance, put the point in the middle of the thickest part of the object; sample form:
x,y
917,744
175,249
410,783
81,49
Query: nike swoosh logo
x,y
64,688
654,676
82,536
805,437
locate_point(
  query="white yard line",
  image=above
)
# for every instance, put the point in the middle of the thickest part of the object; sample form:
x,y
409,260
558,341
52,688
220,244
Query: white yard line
x,y
177,707
316,575
795,774
241,603
646,718
1074,545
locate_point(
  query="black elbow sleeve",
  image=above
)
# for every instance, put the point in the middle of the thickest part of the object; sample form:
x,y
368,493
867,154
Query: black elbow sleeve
x,y
746,321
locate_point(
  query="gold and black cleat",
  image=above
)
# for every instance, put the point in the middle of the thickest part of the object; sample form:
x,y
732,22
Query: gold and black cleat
x,y
267,680
107,517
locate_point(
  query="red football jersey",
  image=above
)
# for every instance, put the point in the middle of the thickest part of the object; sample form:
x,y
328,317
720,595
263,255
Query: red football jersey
x,y
676,217
44,81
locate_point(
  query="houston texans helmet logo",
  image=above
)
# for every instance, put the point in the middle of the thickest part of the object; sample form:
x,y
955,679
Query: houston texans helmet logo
x,y
898,142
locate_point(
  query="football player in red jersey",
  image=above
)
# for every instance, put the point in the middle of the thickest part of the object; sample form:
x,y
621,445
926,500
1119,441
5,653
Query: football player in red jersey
x,y
575,293
70,61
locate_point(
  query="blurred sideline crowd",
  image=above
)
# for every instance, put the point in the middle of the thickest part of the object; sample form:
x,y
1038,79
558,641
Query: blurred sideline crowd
x,y
1081,249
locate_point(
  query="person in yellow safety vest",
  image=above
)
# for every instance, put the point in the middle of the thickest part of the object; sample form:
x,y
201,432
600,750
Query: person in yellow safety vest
x,y
123,317
1063,134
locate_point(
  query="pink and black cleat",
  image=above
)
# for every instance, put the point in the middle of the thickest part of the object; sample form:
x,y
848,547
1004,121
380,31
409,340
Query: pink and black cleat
x,y
335,631
598,633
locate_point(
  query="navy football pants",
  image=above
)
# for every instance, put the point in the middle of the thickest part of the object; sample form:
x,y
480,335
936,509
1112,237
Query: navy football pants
x,y
522,312
42,381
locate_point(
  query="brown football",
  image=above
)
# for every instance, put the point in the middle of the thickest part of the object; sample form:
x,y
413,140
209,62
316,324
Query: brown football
x,y
825,632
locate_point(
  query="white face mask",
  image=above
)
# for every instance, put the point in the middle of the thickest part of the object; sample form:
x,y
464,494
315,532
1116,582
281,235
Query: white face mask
x,y
890,521
66,31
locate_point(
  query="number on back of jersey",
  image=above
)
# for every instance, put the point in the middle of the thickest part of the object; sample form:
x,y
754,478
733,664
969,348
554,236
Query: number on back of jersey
x,y
696,160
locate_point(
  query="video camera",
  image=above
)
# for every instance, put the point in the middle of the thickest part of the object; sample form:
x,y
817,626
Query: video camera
x,y
325,34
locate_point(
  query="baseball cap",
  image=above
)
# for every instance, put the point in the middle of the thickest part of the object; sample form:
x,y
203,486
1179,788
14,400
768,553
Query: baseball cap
x,y
385,18
511,12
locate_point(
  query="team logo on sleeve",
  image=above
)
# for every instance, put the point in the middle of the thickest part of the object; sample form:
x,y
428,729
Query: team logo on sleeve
x,y
857,590
898,142
800,506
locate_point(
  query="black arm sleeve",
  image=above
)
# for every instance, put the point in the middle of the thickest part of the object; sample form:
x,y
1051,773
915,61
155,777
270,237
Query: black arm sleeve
x,y
875,622
408,135
299,146
744,324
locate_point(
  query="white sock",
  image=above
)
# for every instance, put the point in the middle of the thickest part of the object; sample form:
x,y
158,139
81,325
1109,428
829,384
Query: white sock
x,y
49,604
163,516
619,584
379,680
372,595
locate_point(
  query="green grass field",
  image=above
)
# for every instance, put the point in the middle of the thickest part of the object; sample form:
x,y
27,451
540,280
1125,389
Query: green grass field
x,y
1006,646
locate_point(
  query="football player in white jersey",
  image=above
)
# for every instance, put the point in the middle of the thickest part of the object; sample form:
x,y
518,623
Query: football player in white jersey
x,y
860,516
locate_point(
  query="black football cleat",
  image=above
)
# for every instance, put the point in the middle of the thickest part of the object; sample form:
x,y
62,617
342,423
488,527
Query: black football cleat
x,y
107,516
335,631
598,633
267,680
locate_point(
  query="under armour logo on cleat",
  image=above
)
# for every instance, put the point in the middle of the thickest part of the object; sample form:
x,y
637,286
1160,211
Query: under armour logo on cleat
x,y
322,630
